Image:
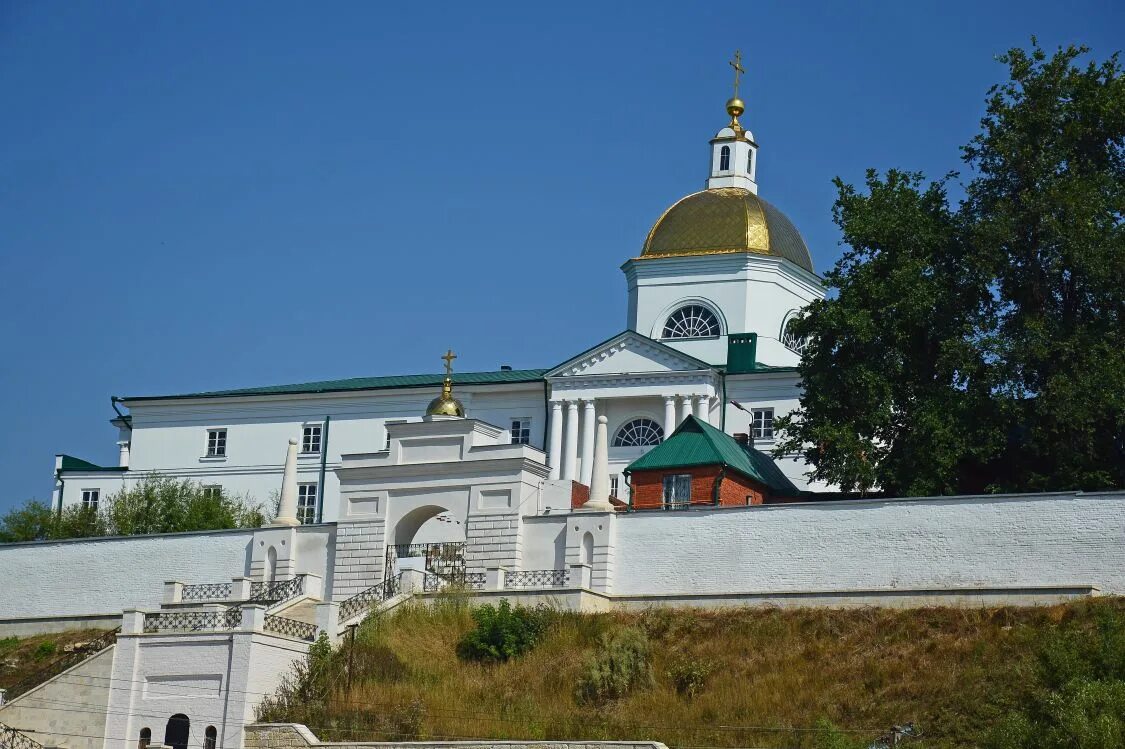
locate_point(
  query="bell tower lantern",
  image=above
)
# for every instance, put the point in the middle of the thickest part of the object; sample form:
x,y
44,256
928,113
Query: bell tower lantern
x,y
734,154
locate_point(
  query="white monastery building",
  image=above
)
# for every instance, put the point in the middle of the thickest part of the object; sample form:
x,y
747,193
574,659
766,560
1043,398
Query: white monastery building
x,y
627,476
717,280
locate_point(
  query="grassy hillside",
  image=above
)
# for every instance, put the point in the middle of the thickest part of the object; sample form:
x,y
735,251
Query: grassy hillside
x,y
772,677
22,656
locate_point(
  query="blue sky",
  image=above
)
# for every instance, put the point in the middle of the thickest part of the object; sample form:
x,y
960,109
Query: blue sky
x,y
200,196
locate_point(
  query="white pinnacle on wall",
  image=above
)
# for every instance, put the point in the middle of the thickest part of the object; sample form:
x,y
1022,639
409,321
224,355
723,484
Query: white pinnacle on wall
x,y
287,508
599,479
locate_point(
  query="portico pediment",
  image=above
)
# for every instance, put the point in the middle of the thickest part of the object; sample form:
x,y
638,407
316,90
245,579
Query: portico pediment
x,y
628,353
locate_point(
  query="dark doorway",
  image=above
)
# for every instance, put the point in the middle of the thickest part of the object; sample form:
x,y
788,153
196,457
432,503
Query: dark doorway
x,y
176,734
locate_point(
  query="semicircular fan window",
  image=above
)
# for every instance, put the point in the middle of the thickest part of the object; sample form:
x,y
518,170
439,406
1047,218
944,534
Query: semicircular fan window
x,y
638,433
692,321
791,340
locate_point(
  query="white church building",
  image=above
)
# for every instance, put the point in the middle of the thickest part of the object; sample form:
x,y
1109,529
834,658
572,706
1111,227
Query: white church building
x,y
710,295
623,477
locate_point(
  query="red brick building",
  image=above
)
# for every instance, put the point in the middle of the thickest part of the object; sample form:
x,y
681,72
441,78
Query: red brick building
x,y
702,465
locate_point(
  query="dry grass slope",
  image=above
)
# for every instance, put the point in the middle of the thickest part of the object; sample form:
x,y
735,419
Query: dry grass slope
x,y
773,675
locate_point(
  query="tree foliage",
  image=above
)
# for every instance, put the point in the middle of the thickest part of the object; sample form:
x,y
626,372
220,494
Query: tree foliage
x,y
157,504
981,347
502,632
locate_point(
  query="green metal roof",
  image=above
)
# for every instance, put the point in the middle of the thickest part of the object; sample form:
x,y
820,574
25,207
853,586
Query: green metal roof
x,y
71,463
697,443
366,383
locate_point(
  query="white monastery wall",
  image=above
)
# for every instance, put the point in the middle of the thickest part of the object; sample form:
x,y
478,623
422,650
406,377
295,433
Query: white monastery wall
x,y
106,575
544,542
70,709
1005,541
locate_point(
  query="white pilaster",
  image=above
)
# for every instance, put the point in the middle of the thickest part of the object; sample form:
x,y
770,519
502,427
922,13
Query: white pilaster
x,y
123,454
587,442
287,509
703,408
555,448
685,407
570,442
669,415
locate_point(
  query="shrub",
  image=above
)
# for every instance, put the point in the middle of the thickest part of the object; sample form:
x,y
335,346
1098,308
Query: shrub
x,y
689,675
405,720
9,643
45,650
502,632
620,665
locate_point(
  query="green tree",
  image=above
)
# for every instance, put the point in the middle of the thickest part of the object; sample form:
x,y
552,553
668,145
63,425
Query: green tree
x,y
981,347
32,521
160,504
1046,213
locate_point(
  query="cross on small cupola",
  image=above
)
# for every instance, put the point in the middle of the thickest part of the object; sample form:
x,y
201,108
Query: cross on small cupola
x,y
734,159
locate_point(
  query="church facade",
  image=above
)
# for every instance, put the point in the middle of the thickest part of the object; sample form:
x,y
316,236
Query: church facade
x,y
710,297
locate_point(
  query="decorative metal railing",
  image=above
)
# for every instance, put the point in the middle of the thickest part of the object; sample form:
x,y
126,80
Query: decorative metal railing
x,y
284,626
467,580
537,579
10,738
276,591
370,598
57,666
441,558
206,592
193,621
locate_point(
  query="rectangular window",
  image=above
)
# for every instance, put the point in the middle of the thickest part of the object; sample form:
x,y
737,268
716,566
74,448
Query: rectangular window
x,y
306,503
763,423
521,431
212,491
216,443
677,491
613,486
310,439
387,442
90,499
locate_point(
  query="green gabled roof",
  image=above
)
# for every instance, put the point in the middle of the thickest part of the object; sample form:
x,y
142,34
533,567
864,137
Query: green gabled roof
x,y
697,443
71,463
366,383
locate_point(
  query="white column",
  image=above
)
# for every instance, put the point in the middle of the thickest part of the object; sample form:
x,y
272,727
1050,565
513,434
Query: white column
x,y
685,407
554,454
599,482
287,509
570,441
587,441
669,415
123,454
702,408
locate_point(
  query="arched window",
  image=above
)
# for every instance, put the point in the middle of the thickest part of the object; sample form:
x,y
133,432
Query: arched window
x,y
145,739
210,738
638,433
791,340
692,321
724,159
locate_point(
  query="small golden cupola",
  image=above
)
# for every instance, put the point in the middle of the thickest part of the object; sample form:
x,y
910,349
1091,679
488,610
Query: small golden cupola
x,y
445,404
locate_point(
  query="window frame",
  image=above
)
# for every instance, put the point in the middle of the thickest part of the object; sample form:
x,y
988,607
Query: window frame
x,y
524,430
306,513
308,437
677,481
652,424
681,324
724,159
209,489
758,433
87,502
215,446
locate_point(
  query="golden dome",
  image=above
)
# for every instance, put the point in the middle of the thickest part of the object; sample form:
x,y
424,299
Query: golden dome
x,y
726,220
445,404
735,107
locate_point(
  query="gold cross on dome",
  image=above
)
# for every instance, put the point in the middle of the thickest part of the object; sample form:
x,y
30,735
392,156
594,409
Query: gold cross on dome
x,y
736,63
449,357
